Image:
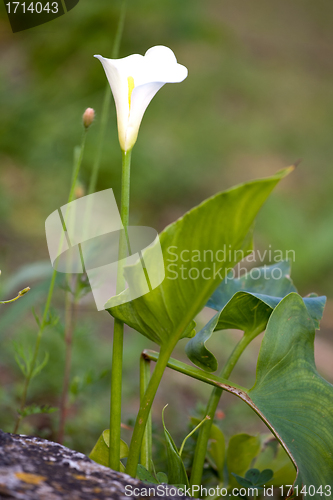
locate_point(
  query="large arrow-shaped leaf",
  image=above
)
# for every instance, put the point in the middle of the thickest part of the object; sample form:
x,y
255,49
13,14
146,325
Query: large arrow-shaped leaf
x,y
166,313
246,304
289,394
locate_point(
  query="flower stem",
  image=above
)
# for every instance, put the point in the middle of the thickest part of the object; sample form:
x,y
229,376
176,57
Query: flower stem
x,y
115,403
76,170
106,102
162,361
147,443
102,130
20,294
118,331
197,373
70,321
191,433
117,351
202,443
145,407
125,199
77,166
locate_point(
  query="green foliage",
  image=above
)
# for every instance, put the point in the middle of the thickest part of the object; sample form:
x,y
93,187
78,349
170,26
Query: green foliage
x,y
242,449
162,477
151,477
144,475
291,395
24,360
36,409
216,449
167,313
100,452
254,478
246,303
80,384
245,88
176,470
274,457
264,452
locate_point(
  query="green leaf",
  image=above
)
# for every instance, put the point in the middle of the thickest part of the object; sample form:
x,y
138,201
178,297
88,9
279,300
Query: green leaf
x,y
52,318
242,449
162,477
216,449
100,452
252,475
254,478
242,481
20,360
144,475
35,315
23,357
289,395
264,477
148,477
246,303
274,457
292,397
271,280
36,409
166,314
176,470
196,349
39,367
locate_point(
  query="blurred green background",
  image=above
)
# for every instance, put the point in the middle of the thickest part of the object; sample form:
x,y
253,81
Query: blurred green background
x,y
259,96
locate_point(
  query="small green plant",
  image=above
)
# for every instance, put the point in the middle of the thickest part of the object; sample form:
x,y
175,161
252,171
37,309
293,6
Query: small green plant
x,y
166,314
253,477
200,251
253,304
254,480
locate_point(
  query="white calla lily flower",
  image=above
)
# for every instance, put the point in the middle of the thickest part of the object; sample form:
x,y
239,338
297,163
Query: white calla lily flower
x,y
134,81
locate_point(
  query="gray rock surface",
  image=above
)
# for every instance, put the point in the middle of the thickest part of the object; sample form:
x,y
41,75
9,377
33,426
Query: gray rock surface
x,y
33,469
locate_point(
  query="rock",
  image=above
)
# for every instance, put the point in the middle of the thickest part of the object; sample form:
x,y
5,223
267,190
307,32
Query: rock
x,y
32,468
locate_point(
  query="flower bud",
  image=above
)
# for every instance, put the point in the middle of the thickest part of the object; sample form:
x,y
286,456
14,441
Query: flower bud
x,y
79,191
88,117
25,290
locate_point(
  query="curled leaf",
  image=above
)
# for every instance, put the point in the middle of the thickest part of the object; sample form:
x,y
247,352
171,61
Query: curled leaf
x,y
246,304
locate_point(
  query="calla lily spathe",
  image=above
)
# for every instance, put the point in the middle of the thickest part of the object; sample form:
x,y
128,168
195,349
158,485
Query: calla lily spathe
x,y
134,81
